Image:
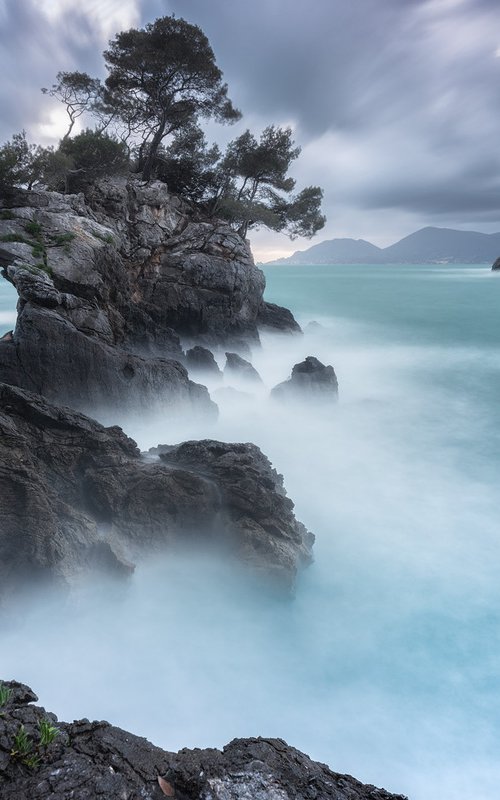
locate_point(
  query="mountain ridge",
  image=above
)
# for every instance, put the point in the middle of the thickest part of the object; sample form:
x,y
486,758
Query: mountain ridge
x,y
429,245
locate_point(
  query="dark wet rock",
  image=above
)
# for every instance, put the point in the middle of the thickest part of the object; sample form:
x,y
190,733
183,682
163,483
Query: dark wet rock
x,y
496,265
277,318
263,531
201,360
107,284
93,760
310,380
239,367
77,496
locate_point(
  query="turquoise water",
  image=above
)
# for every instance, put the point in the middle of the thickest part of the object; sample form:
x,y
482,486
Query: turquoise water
x,y
386,664
8,301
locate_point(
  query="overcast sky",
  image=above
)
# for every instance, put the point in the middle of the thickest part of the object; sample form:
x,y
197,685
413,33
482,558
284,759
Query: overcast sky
x,y
396,103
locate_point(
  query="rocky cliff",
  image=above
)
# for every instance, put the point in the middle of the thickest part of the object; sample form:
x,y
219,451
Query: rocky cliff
x,y
107,286
89,760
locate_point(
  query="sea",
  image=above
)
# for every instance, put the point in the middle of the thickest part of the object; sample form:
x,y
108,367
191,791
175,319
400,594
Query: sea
x,y
385,663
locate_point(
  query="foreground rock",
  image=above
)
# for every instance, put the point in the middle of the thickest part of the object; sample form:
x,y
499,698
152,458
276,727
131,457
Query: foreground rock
x,y
91,760
496,265
107,285
77,496
310,380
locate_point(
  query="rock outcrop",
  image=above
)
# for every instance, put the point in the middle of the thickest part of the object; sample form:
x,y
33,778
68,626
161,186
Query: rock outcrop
x,y
91,760
108,284
201,361
239,367
496,265
310,380
277,319
77,496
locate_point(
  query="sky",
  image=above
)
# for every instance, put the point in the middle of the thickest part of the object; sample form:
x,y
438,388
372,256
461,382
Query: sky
x,y
394,103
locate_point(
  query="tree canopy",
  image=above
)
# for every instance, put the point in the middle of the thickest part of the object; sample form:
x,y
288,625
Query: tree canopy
x,y
161,79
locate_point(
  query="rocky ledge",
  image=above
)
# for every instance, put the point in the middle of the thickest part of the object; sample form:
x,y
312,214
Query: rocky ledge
x,y
89,760
78,496
109,283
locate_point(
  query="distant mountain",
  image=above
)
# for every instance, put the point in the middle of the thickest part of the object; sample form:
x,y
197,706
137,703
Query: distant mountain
x,y
426,246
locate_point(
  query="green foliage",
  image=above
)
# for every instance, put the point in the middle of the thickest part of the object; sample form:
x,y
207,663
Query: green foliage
x,y
24,748
6,213
188,166
104,238
20,162
33,228
161,79
48,733
4,694
14,237
92,155
63,239
254,186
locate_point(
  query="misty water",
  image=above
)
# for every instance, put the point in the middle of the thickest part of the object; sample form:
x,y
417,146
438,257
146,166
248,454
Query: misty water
x,y
386,663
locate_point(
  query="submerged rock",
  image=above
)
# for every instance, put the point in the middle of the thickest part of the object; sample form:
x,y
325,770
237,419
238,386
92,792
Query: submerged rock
x,y
239,367
77,496
496,265
87,760
310,380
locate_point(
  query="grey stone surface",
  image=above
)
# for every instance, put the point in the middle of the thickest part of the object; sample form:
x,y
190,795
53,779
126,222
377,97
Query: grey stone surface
x,y
94,760
239,367
77,496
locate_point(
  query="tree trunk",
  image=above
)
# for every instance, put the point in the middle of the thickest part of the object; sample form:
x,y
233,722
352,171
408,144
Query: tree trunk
x,y
153,148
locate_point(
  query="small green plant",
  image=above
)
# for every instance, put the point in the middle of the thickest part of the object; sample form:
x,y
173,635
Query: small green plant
x,y
104,237
63,239
14,237
34,229
6,213
4,694
47,732
23,744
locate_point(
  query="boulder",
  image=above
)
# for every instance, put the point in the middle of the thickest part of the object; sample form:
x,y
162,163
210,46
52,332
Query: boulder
x,y
77,496
87,760
277,318
201,360
310,380
496,265
239,367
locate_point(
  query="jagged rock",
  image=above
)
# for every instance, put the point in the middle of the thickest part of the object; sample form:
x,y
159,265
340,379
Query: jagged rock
x,y
277,318
310,380
115,279
263,532
201,360
314,327
92,760
236,366
496,265
77,496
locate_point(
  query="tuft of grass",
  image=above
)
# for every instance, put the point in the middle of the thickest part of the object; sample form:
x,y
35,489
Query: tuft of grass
x,y
63,239
47,732
104,237
14,237
6,213
34,229
4,694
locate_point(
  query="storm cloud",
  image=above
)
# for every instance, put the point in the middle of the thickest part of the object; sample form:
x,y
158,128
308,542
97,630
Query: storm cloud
x,y
395,104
